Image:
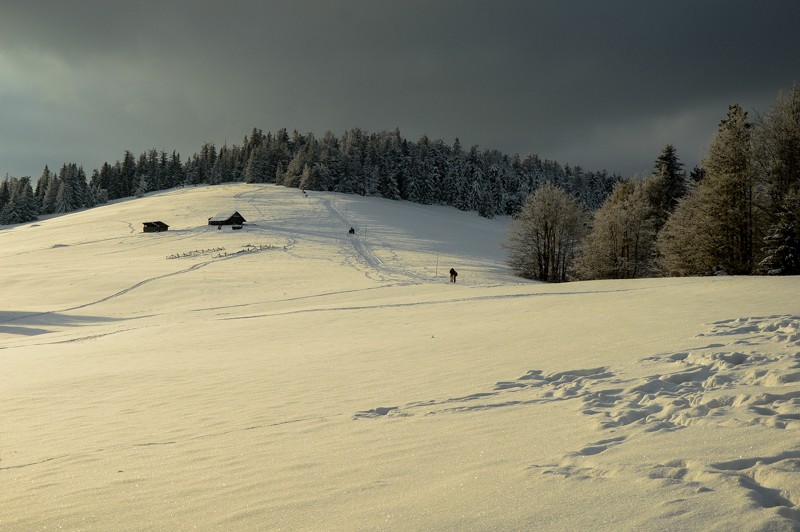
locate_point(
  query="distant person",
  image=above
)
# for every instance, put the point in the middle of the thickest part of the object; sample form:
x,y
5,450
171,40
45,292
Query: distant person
x,y
453,275
352,231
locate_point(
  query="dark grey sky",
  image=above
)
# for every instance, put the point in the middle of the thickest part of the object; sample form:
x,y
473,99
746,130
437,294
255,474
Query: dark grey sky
x,y
601,84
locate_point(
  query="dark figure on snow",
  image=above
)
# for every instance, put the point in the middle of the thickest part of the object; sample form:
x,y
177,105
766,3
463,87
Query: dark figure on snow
x,y
352,231
453,275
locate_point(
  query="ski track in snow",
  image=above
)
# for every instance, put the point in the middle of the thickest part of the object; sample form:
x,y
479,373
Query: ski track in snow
x,y
129,289
445,301
707,385
358,252
353,248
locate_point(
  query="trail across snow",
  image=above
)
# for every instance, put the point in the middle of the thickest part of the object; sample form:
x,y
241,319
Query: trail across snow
x,y
290,375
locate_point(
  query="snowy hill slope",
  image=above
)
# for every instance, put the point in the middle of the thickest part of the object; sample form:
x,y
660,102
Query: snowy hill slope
x,y
291,376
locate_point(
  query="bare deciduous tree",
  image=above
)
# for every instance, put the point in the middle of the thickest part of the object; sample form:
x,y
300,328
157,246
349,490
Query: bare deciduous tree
x,y
543,238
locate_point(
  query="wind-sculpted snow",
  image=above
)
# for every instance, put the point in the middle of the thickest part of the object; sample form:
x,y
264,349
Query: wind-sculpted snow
x,y
729,384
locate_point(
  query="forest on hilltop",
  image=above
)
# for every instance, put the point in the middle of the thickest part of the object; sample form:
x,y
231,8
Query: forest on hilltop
x,y
371,164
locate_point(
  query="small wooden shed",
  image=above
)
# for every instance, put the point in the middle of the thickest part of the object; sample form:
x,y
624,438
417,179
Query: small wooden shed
x,y
227,218
155,227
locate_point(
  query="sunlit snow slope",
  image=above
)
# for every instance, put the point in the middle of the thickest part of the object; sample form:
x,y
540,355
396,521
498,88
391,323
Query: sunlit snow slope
x,y
292,376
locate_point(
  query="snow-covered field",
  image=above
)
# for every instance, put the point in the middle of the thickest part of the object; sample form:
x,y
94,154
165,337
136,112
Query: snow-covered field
x,y
291,376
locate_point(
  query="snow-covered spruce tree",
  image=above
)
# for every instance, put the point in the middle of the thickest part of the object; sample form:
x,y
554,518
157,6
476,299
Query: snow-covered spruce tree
x,y
493,199
777,147
471,185
17,201
259,167
76,188
63,198
278,174
621,242
544,237
125,177
175,171
141,186
667,186
782,241
146,173
311,177
717,226
294,170
422,173
353,147
390,159
41,186
25,198
48,205
371,176
5,192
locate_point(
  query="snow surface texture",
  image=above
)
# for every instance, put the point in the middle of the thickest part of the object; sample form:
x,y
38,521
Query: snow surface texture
x,y
289,375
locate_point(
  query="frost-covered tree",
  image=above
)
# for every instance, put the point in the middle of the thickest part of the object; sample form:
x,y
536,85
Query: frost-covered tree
x,y
544,237
621,242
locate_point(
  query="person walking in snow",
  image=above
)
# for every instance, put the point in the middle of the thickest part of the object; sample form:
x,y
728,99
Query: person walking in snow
x,y
453,275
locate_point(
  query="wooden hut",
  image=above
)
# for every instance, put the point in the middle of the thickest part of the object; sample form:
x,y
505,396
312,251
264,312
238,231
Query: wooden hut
x,y
227,218
155,227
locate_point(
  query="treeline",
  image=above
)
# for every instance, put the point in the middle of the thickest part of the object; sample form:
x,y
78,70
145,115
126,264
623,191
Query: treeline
x,y
372,164
736,214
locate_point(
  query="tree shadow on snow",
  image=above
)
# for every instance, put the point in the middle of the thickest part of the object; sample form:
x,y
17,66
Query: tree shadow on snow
x,y
36,323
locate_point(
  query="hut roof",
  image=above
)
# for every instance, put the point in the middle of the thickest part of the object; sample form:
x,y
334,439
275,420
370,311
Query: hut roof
x,y
227,216
157,226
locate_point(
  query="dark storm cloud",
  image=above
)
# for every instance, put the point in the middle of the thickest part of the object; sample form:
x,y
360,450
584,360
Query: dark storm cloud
x,y
603,84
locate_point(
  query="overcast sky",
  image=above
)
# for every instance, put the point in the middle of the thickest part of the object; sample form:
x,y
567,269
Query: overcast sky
x,y
600,84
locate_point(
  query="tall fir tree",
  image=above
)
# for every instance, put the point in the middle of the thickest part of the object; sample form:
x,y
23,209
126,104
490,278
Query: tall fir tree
x,y
717,227
667,186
